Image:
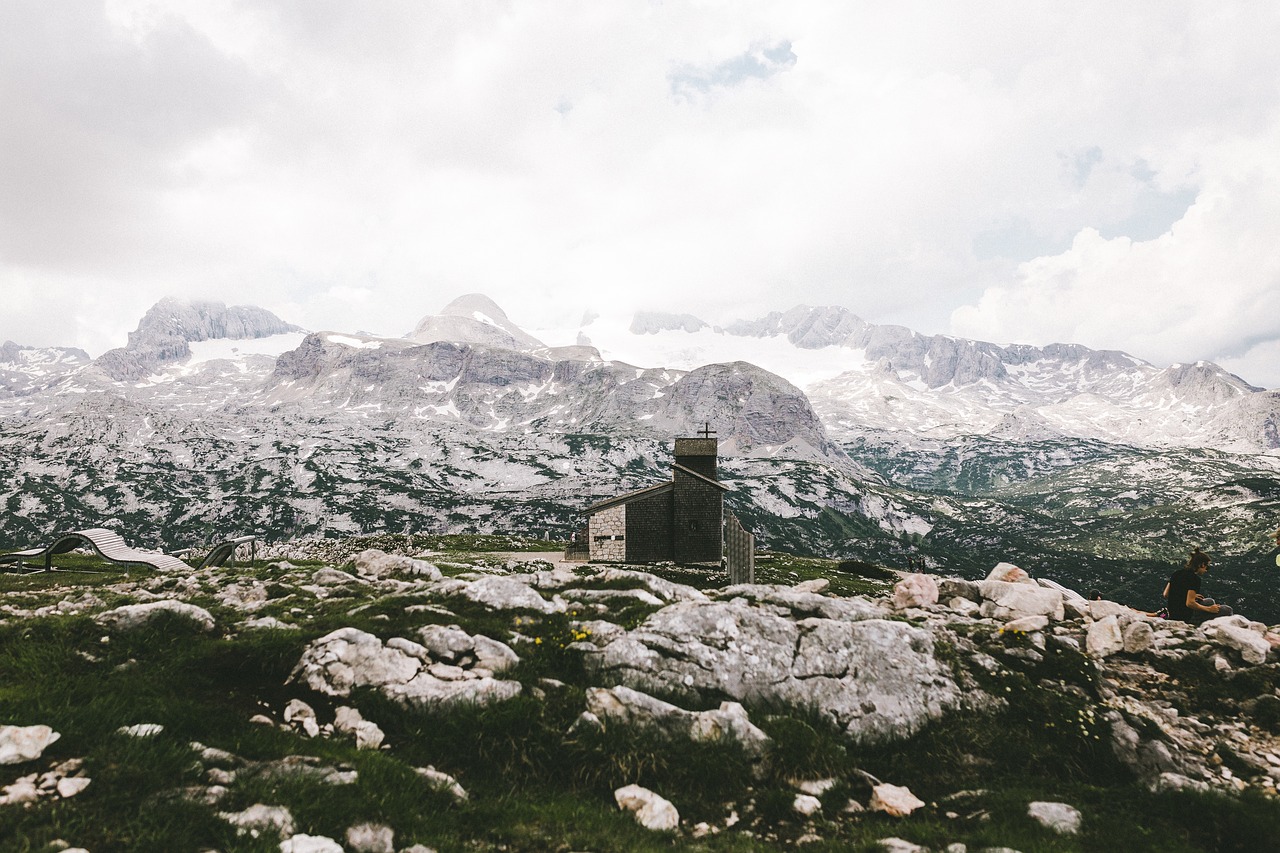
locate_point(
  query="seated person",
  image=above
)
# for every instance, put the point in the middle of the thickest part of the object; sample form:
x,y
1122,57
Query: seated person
x,y
1183,593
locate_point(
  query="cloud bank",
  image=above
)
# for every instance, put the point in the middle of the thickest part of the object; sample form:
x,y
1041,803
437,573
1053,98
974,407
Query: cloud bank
x,y
1009,171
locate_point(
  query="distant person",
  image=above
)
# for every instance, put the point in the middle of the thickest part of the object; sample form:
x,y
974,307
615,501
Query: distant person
x,y
1095,595
1277,538
1183,593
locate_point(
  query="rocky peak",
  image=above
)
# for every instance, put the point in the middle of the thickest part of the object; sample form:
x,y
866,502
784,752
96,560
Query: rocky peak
x,y
166,331
474,319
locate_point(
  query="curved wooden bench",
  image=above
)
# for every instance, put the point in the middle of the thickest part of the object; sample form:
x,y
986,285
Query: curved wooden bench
x,y
224,551
108,544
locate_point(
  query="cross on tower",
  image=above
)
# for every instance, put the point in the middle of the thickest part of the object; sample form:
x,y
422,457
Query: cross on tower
x,y
706,431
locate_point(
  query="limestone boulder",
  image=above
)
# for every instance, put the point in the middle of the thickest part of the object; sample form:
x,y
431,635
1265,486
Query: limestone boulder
x,y
894,800
631,707
875,678
1236,632
133,616
915,591
1007,600
1139,636
1104,638
651,811
348,658
310,844
1009,573
371,838
259,818
374,563
349,721
1059,817
500,592
24,743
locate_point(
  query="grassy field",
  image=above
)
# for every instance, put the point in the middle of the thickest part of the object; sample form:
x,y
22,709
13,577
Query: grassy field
x,y
533,784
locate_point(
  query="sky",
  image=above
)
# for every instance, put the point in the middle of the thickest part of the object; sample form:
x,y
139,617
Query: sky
x,y
1019,172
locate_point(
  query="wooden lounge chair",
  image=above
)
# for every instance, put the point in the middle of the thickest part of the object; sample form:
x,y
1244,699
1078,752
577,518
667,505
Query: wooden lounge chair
x,y
224,552
109,545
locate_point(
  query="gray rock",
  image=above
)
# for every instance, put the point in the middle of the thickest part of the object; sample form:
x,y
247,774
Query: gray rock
x,y
1104,638
651,811
501,593
1059,817
1139,636
375,563
24,743
349,658
133,616
874,678
259,818
371,838
1011,600
1235,632
631,707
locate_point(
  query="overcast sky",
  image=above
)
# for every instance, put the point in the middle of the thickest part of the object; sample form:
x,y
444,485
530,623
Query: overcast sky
x,y
1094,172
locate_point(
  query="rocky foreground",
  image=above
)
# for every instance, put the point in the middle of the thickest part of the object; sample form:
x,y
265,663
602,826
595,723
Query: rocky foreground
x,y
376,650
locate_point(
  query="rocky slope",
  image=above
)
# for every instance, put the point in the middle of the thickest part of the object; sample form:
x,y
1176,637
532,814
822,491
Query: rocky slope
x,y
531,703
890,378
349,433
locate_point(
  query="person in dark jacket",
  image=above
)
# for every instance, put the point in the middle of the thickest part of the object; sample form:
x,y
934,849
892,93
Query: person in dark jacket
x,y
1183,593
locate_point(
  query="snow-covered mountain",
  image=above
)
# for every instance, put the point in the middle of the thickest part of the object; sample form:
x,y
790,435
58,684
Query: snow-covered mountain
x,y
837,436
861,376
474,319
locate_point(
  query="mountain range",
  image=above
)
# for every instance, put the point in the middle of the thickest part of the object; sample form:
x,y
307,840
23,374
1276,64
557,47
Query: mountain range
x,y
837,436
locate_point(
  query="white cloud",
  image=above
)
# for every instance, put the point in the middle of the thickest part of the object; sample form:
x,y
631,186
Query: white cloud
x,y
1208,288
898,160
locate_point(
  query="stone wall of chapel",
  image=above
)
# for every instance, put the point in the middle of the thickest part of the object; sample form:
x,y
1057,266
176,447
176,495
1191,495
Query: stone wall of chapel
x,y
607,532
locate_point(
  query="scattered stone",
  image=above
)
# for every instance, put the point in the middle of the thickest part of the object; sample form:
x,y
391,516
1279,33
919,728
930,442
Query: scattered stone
x,y
368,735
1006,600
24,743
899,845
141,730
266,623
260,818
806,804
894,800
302,716
441,781
1008,573
133,616
816,586
310,844
815,787
1139,636
1059,817
23,790
1027,624
371,838
333,577
651,811
501,593
69,786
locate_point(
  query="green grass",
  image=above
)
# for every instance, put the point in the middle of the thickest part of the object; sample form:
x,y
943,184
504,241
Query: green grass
x,y
535,785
